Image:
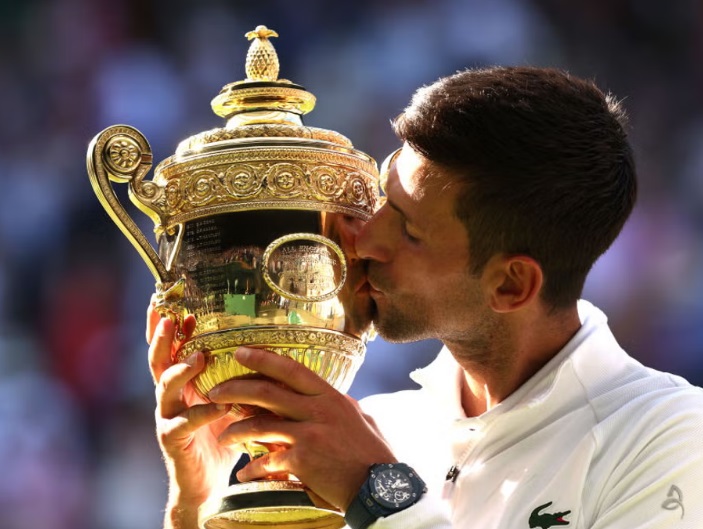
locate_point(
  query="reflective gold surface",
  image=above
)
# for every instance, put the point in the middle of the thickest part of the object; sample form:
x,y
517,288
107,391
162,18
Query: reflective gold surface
x,y
285,505
255,225
332,355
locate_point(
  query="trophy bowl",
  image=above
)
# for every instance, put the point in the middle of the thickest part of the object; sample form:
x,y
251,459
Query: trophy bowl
x,y
255,225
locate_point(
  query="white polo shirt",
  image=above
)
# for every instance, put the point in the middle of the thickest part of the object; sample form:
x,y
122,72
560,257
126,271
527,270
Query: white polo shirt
x,y
593,440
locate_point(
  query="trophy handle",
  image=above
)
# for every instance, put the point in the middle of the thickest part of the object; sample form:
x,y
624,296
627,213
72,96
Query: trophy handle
x,y
122,154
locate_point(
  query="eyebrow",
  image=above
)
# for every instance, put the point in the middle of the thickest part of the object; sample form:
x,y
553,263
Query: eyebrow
x,y
395,207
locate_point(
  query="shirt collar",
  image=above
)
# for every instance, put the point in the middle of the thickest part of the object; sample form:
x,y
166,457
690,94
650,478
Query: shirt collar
x,y
442,377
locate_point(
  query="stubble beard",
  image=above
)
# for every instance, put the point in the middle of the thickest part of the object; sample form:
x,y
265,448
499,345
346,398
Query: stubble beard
x,y
404,318
479,344
396,325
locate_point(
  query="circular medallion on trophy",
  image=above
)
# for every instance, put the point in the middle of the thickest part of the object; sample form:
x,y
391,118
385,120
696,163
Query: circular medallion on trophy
x,y
304,267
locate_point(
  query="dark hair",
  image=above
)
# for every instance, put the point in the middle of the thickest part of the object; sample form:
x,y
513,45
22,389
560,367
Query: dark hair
x,y
543,161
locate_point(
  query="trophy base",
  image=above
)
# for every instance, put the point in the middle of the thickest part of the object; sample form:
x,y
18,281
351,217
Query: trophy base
x,y
270,503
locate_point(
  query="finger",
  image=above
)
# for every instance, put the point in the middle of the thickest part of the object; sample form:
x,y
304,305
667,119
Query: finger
x,y
160,348
264,428
269,464
169,390
188,422
152,319
293,374
188,327
263,393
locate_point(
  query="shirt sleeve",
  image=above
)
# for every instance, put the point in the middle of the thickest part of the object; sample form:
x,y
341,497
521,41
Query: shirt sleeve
x,y
660,485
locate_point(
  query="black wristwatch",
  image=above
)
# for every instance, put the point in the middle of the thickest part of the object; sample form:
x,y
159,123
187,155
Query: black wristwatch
x,y
390,488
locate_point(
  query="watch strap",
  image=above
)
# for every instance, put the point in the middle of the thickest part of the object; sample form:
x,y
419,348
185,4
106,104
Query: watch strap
x,y
358,516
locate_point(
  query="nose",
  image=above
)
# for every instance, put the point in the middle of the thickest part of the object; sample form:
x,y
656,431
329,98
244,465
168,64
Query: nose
x,y
373,241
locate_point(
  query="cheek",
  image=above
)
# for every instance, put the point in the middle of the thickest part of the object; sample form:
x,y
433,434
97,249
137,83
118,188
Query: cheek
x,y
449,282
447,263
451,254
417,278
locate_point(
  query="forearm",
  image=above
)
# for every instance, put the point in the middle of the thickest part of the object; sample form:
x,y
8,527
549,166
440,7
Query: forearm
x,y
183,501
180,514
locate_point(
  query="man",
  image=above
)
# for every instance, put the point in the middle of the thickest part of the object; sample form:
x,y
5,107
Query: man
x,y
511,182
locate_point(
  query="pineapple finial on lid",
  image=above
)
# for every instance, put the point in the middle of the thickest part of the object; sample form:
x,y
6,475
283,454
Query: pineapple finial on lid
x,y
262,60
262,97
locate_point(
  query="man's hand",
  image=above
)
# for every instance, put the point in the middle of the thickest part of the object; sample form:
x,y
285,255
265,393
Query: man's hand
x,y
187,428
325,439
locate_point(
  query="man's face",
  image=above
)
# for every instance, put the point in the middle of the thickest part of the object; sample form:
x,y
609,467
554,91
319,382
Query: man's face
x,y
418,258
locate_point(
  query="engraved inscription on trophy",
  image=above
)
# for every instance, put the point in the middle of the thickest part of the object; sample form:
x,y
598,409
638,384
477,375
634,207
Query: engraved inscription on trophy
x,y
304,267
206,280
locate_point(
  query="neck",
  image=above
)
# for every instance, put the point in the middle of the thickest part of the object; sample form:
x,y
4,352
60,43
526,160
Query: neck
x,y
525,347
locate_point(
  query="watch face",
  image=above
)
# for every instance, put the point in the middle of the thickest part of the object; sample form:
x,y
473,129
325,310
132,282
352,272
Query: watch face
x,y
392,488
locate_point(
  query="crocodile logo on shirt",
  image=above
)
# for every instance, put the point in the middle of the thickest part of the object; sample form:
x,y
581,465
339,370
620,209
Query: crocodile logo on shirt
x,y
545,520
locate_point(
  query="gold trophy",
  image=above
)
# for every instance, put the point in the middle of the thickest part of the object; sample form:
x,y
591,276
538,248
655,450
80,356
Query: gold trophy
x,y
255,223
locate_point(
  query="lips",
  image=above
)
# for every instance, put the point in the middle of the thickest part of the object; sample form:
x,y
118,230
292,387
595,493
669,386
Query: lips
x,y
357,282
376,283
374,291
363,288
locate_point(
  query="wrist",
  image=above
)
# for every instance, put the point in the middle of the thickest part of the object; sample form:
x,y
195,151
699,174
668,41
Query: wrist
x,y
182,509
389,488
181,516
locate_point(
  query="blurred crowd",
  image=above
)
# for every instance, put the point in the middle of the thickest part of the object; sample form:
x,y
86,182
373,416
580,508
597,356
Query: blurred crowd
x,y
77,448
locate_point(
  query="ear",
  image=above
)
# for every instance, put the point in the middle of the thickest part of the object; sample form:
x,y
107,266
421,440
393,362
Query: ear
x,y
513,281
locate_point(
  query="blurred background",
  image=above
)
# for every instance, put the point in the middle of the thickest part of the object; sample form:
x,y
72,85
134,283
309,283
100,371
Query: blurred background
x,y
77,447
